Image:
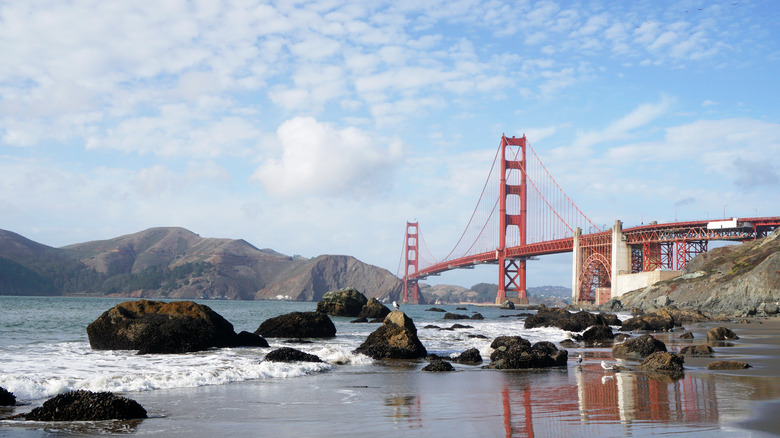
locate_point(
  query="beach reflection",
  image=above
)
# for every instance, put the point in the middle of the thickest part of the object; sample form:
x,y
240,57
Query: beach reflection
x,y
560,404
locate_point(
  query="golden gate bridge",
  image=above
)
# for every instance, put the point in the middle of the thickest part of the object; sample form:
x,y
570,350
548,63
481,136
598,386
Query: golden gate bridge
x,y
523,212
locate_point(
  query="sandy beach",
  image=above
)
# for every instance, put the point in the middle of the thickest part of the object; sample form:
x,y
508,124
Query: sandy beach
x,y
391,398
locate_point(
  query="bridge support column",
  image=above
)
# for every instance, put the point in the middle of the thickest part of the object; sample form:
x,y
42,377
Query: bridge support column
x,y
621,258
511,272
576,267
411,252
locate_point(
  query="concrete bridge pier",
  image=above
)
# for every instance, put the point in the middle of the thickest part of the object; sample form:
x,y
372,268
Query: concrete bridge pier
x,y
621,260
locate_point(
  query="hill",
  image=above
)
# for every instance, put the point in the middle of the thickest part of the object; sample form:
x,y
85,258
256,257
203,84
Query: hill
x,y
172,262
726,279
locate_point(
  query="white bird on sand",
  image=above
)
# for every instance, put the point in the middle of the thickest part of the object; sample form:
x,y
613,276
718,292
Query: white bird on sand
x,y
607,366
395,304
579,359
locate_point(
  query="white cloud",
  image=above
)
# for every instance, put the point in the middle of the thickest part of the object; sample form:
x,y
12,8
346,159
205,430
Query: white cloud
x,y
320,159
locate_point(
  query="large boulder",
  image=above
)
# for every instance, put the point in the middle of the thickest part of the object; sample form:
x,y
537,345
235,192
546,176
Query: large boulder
x,y
507,305
87,406
373,309
598,333
727,365
563,319
298,325
514,352
449,315
651,322
396,338
469,357
696,350
721,334
343,302
438,366
639,347
7,398
287,354
662,361
159,327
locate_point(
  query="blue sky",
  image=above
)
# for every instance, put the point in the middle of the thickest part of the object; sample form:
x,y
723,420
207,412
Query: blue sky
x,y
321,127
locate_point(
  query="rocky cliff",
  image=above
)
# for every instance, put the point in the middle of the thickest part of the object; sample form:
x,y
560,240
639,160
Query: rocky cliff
x,y
727,279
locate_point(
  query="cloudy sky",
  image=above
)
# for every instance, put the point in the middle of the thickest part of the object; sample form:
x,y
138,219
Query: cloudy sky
x,y
322,127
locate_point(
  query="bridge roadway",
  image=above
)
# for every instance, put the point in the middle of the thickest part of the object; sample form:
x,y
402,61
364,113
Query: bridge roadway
x,y
691,231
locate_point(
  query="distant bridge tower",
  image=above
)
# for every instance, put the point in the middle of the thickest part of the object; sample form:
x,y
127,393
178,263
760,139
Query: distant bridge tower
x,y
411,251
511,271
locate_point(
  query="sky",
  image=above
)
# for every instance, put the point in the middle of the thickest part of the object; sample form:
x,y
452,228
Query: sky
x,y
322,127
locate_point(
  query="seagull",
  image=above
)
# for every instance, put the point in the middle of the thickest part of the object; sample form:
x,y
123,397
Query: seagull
x,y
395,304
607,366
579,359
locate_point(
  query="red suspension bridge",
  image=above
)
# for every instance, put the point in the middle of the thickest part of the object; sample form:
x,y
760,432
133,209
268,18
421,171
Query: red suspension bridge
x,y
523,212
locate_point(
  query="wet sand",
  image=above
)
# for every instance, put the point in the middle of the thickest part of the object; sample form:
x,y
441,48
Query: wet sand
x,y
397,399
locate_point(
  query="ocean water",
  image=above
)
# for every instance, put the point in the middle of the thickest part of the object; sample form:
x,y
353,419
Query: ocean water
x,y
44,351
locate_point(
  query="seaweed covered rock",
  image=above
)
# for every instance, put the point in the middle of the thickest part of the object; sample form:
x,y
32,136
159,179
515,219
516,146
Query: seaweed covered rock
x,y
727,365
287,354
469,357
563,319
373,309
512,353
438,365
638,347
396,338
87,406
7,398
721,334
651,322
449,315
298,325
598,333
663,361
159,327
696,350
343,302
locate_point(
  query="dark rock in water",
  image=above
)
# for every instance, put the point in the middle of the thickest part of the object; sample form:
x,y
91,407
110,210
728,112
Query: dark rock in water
x,y
621,337
431,326
477,316
87,406
359,320
683,316
343,302
158,327
287,354
433,356
477,336
6,397
297,341
639,347
460,326
598,333
514,352
696,350
396,338
449,315
377,320
686,335
298,325
569,343
438,366
509,341
461,308
507,305
374,309
662,361
469,357
435,309
562,319
246,339
721,334
652,322
727,365
611,319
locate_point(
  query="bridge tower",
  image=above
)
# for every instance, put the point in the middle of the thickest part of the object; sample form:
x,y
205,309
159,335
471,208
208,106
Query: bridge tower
x,y
511,271
411,251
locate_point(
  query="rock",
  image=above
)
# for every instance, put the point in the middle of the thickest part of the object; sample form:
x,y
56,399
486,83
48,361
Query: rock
x,y
396,338
435,309
431,326
598,333
513,352
359,320
438,366
469,357
569,343
621,337
87,406
639,347
246,339
477,336
461,308
477,316
662,361
507,305
684,316
721,334
343,302
562,319
636,311
460,326
727,365
374,309
613,305
686,335
696,350
652,322
287,354
298,325
662,301
449,315
769,309
158,327
8,399
611,319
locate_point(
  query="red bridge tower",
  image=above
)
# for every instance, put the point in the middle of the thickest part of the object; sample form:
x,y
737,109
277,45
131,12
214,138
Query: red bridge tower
x,y
511,271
